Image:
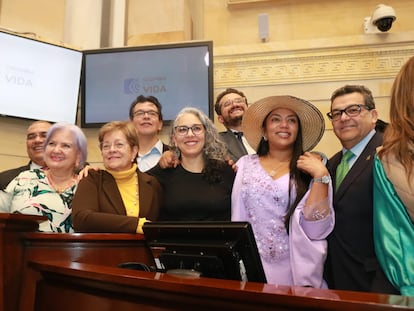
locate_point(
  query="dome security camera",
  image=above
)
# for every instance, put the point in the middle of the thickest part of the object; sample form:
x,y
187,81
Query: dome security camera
x,y
381,19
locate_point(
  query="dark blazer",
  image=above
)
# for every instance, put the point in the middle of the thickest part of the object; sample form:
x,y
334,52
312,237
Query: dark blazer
x,y
98,207
165,147
351,262
7,176
235,147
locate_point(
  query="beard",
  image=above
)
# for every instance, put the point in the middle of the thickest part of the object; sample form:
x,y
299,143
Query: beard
x,y
233,122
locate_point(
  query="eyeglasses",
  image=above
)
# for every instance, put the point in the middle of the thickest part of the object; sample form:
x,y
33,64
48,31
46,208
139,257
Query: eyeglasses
x,y
350,111
228,103
117,145
141,113
182,130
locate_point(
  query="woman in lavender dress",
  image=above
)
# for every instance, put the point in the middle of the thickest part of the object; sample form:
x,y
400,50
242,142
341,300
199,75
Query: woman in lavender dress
x,y
284,191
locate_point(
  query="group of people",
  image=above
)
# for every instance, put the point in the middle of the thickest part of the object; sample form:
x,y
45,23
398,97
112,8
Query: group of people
x,y
344,225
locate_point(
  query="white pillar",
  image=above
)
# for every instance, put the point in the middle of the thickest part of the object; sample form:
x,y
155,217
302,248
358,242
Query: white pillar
x,y
83,20
117,25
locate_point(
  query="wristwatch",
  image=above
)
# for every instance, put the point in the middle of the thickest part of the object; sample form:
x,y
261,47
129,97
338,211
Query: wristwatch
x,y
323,180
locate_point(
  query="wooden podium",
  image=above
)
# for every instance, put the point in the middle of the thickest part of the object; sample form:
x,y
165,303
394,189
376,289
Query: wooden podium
x,y
20,244
57,271
12,227
94,287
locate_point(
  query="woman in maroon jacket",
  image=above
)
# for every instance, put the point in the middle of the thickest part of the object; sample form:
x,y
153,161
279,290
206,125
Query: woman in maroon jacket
x,y
119,198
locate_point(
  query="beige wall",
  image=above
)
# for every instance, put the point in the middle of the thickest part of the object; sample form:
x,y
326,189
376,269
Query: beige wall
x,y
158,21
42,17
314,47
292,20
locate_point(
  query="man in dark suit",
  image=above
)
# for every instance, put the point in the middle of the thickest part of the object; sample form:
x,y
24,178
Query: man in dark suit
x,y
351,262
35,139
230,106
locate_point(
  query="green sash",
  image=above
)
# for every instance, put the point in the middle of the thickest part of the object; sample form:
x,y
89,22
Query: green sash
x,y
393,233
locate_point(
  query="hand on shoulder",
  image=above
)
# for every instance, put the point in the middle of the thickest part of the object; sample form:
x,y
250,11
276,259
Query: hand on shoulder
x,y
84,172
168,160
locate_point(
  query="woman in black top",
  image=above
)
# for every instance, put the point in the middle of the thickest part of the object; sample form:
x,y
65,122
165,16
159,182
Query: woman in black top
x,y
199,188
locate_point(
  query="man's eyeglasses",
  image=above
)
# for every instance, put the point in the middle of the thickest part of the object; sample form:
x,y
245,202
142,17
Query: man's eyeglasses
x,y
228,103
182,130
350,111
118,145
141,113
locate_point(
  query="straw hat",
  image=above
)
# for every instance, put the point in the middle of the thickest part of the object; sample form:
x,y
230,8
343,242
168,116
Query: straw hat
x,y
311,119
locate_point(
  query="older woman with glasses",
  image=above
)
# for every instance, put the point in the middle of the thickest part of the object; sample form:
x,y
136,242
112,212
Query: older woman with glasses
x,y
199,188
120,198
49,192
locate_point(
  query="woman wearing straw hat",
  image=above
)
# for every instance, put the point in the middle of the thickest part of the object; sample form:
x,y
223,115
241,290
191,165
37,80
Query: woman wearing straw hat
x,y
284,191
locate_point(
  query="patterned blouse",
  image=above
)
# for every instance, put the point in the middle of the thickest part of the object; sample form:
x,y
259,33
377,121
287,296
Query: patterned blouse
x,y
296,258
31,193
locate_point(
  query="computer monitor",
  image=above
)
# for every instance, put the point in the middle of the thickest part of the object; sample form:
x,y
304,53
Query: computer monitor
x,y
38,80
223,250
178,74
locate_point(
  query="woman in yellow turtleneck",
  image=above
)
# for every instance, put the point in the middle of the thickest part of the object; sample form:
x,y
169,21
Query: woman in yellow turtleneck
x,y
120,198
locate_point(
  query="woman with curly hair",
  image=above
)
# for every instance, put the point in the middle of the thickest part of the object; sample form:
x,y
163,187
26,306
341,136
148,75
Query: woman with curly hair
x,y
199,188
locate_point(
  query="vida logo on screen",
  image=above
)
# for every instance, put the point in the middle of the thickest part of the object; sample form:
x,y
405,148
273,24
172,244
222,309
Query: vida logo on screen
x,y
132,86
148,86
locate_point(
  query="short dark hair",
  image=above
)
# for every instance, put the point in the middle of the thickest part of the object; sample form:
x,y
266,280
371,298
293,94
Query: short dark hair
x,y
143,99
363,90
217,106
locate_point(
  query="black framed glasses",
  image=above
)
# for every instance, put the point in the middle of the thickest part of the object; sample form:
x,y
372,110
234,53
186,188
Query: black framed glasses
x,y
182,130
141,113
350,111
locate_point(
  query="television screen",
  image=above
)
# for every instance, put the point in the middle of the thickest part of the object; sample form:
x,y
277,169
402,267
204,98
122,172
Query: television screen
x,y
179,75
38,80
223,250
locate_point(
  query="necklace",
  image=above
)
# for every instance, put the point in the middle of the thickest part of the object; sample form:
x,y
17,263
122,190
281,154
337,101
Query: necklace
x,y
132,205
275,170
136,202
61,186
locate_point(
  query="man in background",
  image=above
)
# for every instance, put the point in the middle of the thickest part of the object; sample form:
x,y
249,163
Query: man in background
x,y
230,106
35,139
351,263
145,113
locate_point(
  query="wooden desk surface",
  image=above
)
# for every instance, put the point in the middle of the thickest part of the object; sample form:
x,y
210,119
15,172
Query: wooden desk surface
x,y
93,285
20,243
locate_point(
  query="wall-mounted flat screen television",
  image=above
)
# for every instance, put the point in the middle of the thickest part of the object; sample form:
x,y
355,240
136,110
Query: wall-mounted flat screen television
x,y
179,75
223,250
38,80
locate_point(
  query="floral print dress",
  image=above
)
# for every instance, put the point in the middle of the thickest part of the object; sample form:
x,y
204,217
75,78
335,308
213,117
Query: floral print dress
x,y
31,193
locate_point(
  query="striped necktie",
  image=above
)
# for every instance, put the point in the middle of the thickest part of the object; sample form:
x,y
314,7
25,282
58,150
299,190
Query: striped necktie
x,y
343,167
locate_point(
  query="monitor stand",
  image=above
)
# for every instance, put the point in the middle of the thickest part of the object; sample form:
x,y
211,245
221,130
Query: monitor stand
x,y
187,273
